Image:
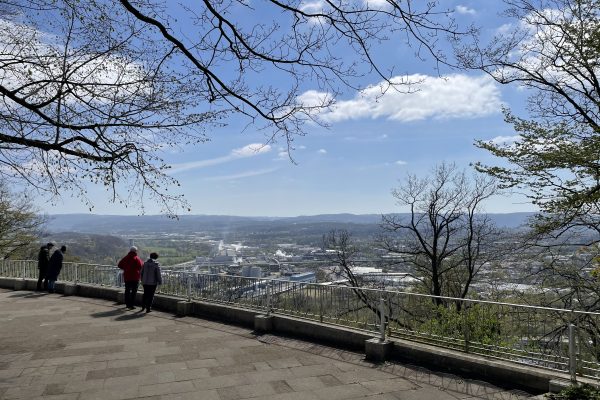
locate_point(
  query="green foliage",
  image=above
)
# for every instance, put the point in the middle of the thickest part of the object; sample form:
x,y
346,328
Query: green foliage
x,y
475,324
19,222
554,160
557,165
577,392
172,250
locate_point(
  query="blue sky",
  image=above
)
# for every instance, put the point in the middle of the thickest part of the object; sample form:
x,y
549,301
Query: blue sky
x,y
352,166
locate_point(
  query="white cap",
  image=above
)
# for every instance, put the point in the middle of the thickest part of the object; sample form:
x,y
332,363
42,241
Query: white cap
x,y
133,248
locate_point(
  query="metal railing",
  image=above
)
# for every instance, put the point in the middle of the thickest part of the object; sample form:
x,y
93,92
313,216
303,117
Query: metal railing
x,y
555,339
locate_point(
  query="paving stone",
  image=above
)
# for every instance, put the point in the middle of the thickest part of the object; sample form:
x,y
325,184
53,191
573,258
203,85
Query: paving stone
x,y
341,392
217,382
112,372
64,396
205,395
281,387
231,369
166,388
204,363
330,380
245,392
54,388
305,384
389,385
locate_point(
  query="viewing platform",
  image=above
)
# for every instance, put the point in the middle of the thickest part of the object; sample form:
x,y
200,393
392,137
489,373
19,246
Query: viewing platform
x,y
68,348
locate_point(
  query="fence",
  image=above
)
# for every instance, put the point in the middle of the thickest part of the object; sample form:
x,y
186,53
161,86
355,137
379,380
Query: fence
x,y
555,339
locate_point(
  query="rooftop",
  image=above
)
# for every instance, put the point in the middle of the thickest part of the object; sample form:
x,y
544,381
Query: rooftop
x,y
56,347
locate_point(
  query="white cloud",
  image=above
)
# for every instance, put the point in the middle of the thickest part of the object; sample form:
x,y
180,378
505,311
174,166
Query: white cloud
x,y
250,150
504,29
465,10
282,155
314,98
322,151
246,174
453,96
505,140
312,7
377,4
400,162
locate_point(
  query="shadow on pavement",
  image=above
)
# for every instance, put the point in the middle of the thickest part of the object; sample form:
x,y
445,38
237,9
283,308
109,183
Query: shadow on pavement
x,y
105,314
127,317
28,294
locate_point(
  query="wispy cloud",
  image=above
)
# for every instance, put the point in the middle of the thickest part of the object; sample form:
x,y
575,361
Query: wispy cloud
x,y
451,97
241,175
322,151
366,139
465,10
250,150
386,164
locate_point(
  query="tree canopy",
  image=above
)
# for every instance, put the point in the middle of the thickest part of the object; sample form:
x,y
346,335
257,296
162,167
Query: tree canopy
x,y
94,91
552,48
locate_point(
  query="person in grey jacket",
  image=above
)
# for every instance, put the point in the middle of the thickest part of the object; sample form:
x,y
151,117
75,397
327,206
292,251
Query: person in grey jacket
x,y
151,277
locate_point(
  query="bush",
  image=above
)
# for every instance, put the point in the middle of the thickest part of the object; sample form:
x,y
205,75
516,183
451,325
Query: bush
x,y
577,392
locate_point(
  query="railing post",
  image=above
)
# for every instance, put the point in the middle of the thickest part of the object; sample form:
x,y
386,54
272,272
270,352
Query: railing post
x,y
573,353
75,280
320,289
268,299
466,330
381,319
23,269
189,287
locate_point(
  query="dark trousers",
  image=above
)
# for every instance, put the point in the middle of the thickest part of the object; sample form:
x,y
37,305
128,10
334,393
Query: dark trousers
x,y
148,296
42,277
130,292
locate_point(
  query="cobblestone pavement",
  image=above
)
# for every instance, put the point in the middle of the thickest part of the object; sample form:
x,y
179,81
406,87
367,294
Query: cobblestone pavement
x,y
55,347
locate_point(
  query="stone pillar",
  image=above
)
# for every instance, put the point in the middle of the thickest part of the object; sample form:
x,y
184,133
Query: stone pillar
x,y
377,350
20,284
556,385
69,289
263,323
184,308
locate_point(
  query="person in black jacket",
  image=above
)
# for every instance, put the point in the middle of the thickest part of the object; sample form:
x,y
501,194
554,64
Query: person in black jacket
x,y
54,266
43,259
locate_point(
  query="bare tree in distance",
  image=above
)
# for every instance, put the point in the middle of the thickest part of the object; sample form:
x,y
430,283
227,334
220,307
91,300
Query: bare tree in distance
x,y
343,253
447,239
95,91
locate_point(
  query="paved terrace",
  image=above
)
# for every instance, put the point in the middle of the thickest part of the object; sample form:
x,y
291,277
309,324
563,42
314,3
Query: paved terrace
x,y
55,347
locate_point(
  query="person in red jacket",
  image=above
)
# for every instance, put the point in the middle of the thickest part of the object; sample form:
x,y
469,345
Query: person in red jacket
x,y
131,265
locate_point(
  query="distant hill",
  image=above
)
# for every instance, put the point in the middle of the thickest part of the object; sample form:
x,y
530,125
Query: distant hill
x,y
224,224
